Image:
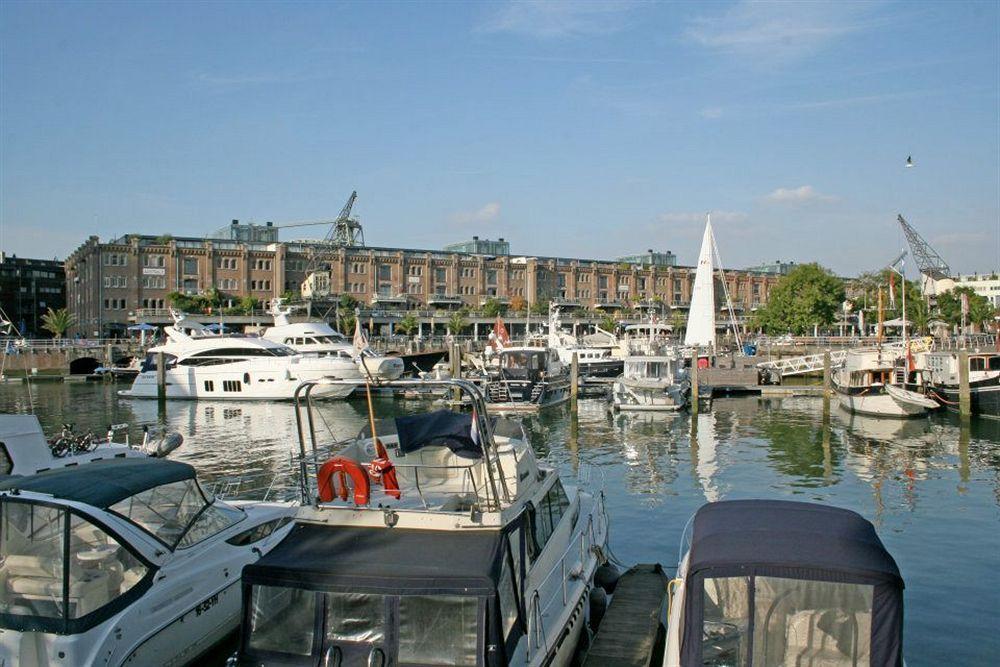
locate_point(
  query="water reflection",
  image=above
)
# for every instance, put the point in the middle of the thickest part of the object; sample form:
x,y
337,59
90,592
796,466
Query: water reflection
x,y
931,484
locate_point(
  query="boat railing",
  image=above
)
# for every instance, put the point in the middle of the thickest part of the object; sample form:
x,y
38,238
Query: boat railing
x,y
569,566
496,491
262,486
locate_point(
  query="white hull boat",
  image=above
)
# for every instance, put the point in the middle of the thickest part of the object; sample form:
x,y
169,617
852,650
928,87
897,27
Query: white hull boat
x,y
651,384
870,383
123,562
464,550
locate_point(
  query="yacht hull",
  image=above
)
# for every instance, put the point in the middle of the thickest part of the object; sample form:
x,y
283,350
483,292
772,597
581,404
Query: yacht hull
x,y
517,396
984,399
877,403
628,397
208,382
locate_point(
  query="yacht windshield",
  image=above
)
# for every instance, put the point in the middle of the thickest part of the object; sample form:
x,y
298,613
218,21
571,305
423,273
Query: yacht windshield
x,y
42,547
178,513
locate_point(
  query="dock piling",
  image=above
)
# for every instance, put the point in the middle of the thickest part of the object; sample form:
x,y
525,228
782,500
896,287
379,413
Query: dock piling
x,y
826,373
694,382
964,397
574,380
161,376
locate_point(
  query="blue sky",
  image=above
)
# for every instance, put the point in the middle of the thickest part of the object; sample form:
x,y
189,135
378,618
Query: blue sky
x,y
576,129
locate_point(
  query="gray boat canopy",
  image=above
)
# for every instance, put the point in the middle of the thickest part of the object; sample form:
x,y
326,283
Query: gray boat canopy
x,y
103,483
785,540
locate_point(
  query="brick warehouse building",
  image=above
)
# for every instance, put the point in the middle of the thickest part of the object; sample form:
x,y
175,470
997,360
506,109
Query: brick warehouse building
x,y
112,284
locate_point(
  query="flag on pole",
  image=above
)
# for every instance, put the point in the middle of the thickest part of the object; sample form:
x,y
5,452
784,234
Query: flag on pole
x,y
474,431
892,290
500,338
965,304
360,341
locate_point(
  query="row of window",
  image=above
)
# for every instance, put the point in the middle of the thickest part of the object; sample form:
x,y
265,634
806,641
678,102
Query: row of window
x,y
230,263
261,285
115,281
114,304
115,259
153,303
262,264
228,284
154,282
155,261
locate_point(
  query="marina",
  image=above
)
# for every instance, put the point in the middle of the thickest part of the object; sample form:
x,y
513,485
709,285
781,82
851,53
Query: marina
x,y
519,333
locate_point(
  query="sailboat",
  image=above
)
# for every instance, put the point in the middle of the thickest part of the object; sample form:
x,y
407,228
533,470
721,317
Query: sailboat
x,y
700,330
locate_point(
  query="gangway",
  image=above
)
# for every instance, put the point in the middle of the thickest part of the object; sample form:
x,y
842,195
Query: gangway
x,y
812,363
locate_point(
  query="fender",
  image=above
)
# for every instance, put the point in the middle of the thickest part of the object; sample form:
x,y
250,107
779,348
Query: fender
x,y
343,467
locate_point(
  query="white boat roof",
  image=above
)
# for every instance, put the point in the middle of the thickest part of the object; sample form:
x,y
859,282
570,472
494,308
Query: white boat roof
x,y
302,329
190,345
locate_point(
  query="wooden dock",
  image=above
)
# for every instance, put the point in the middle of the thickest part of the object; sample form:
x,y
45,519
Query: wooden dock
x,y
632,632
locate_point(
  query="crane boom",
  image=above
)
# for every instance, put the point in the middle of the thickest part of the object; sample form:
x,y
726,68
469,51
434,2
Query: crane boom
x,y
930,263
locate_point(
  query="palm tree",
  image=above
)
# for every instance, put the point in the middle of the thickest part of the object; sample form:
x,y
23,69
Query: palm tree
x,y
609,323
493,308
457,323
57,322
407,325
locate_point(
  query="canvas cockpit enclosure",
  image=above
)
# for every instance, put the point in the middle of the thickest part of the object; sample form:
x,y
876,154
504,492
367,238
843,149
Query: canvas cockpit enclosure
x,y
389,596
788,583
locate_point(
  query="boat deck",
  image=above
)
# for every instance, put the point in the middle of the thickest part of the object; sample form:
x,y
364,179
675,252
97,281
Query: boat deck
x,y
632,631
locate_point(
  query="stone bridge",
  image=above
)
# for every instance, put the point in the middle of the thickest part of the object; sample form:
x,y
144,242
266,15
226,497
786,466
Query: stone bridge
x,y
63,357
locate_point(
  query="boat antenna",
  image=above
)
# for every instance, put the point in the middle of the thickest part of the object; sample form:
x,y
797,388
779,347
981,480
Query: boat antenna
x,y
379,448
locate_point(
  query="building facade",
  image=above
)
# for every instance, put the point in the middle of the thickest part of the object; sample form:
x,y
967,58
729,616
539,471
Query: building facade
x,y
28,288
478,246
985,284
112,284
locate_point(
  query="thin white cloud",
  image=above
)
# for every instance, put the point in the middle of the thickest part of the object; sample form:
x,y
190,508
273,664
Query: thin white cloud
x,y
485,214
803,193
559,18
711,112
775,32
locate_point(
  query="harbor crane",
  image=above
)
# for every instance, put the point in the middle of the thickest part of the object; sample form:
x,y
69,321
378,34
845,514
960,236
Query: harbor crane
x,y
930,263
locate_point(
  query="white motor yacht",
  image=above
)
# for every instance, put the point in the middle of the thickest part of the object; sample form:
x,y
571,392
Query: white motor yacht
x,y
320,339
872,382
200,365
593,361
123,561
651,383
25,451
438,540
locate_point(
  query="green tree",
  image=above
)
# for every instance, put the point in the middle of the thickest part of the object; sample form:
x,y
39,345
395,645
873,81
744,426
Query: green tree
x,y
493,308
291,296
57,322
407,325
348,302
950,307
678,321
248,304
347,322
540,307
608,323
809,295
457,322
184,303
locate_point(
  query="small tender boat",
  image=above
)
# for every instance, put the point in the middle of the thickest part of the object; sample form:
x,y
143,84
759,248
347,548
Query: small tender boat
x,y
528,379
872,382
651,383
941,376
123,561
25,451
438,540
772,582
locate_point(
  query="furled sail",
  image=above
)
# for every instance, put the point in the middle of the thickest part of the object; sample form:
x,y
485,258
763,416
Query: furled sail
x,y
701,317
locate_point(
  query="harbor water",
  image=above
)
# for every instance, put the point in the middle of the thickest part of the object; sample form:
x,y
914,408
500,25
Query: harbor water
x,y
931,485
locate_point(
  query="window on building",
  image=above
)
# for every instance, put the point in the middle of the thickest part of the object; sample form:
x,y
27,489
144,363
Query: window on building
x,y
440,275
190,266
602,282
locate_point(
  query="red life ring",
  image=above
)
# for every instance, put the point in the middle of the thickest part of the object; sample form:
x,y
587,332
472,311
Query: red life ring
x,y
342,467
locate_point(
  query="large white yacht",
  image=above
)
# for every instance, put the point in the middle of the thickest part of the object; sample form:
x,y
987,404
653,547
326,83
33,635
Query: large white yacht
x,y
201,365
872,382
651,383
123,561
439,539
320,339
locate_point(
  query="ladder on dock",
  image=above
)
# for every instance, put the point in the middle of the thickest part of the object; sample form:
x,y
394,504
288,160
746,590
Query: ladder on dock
x,y
812,363
632,632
